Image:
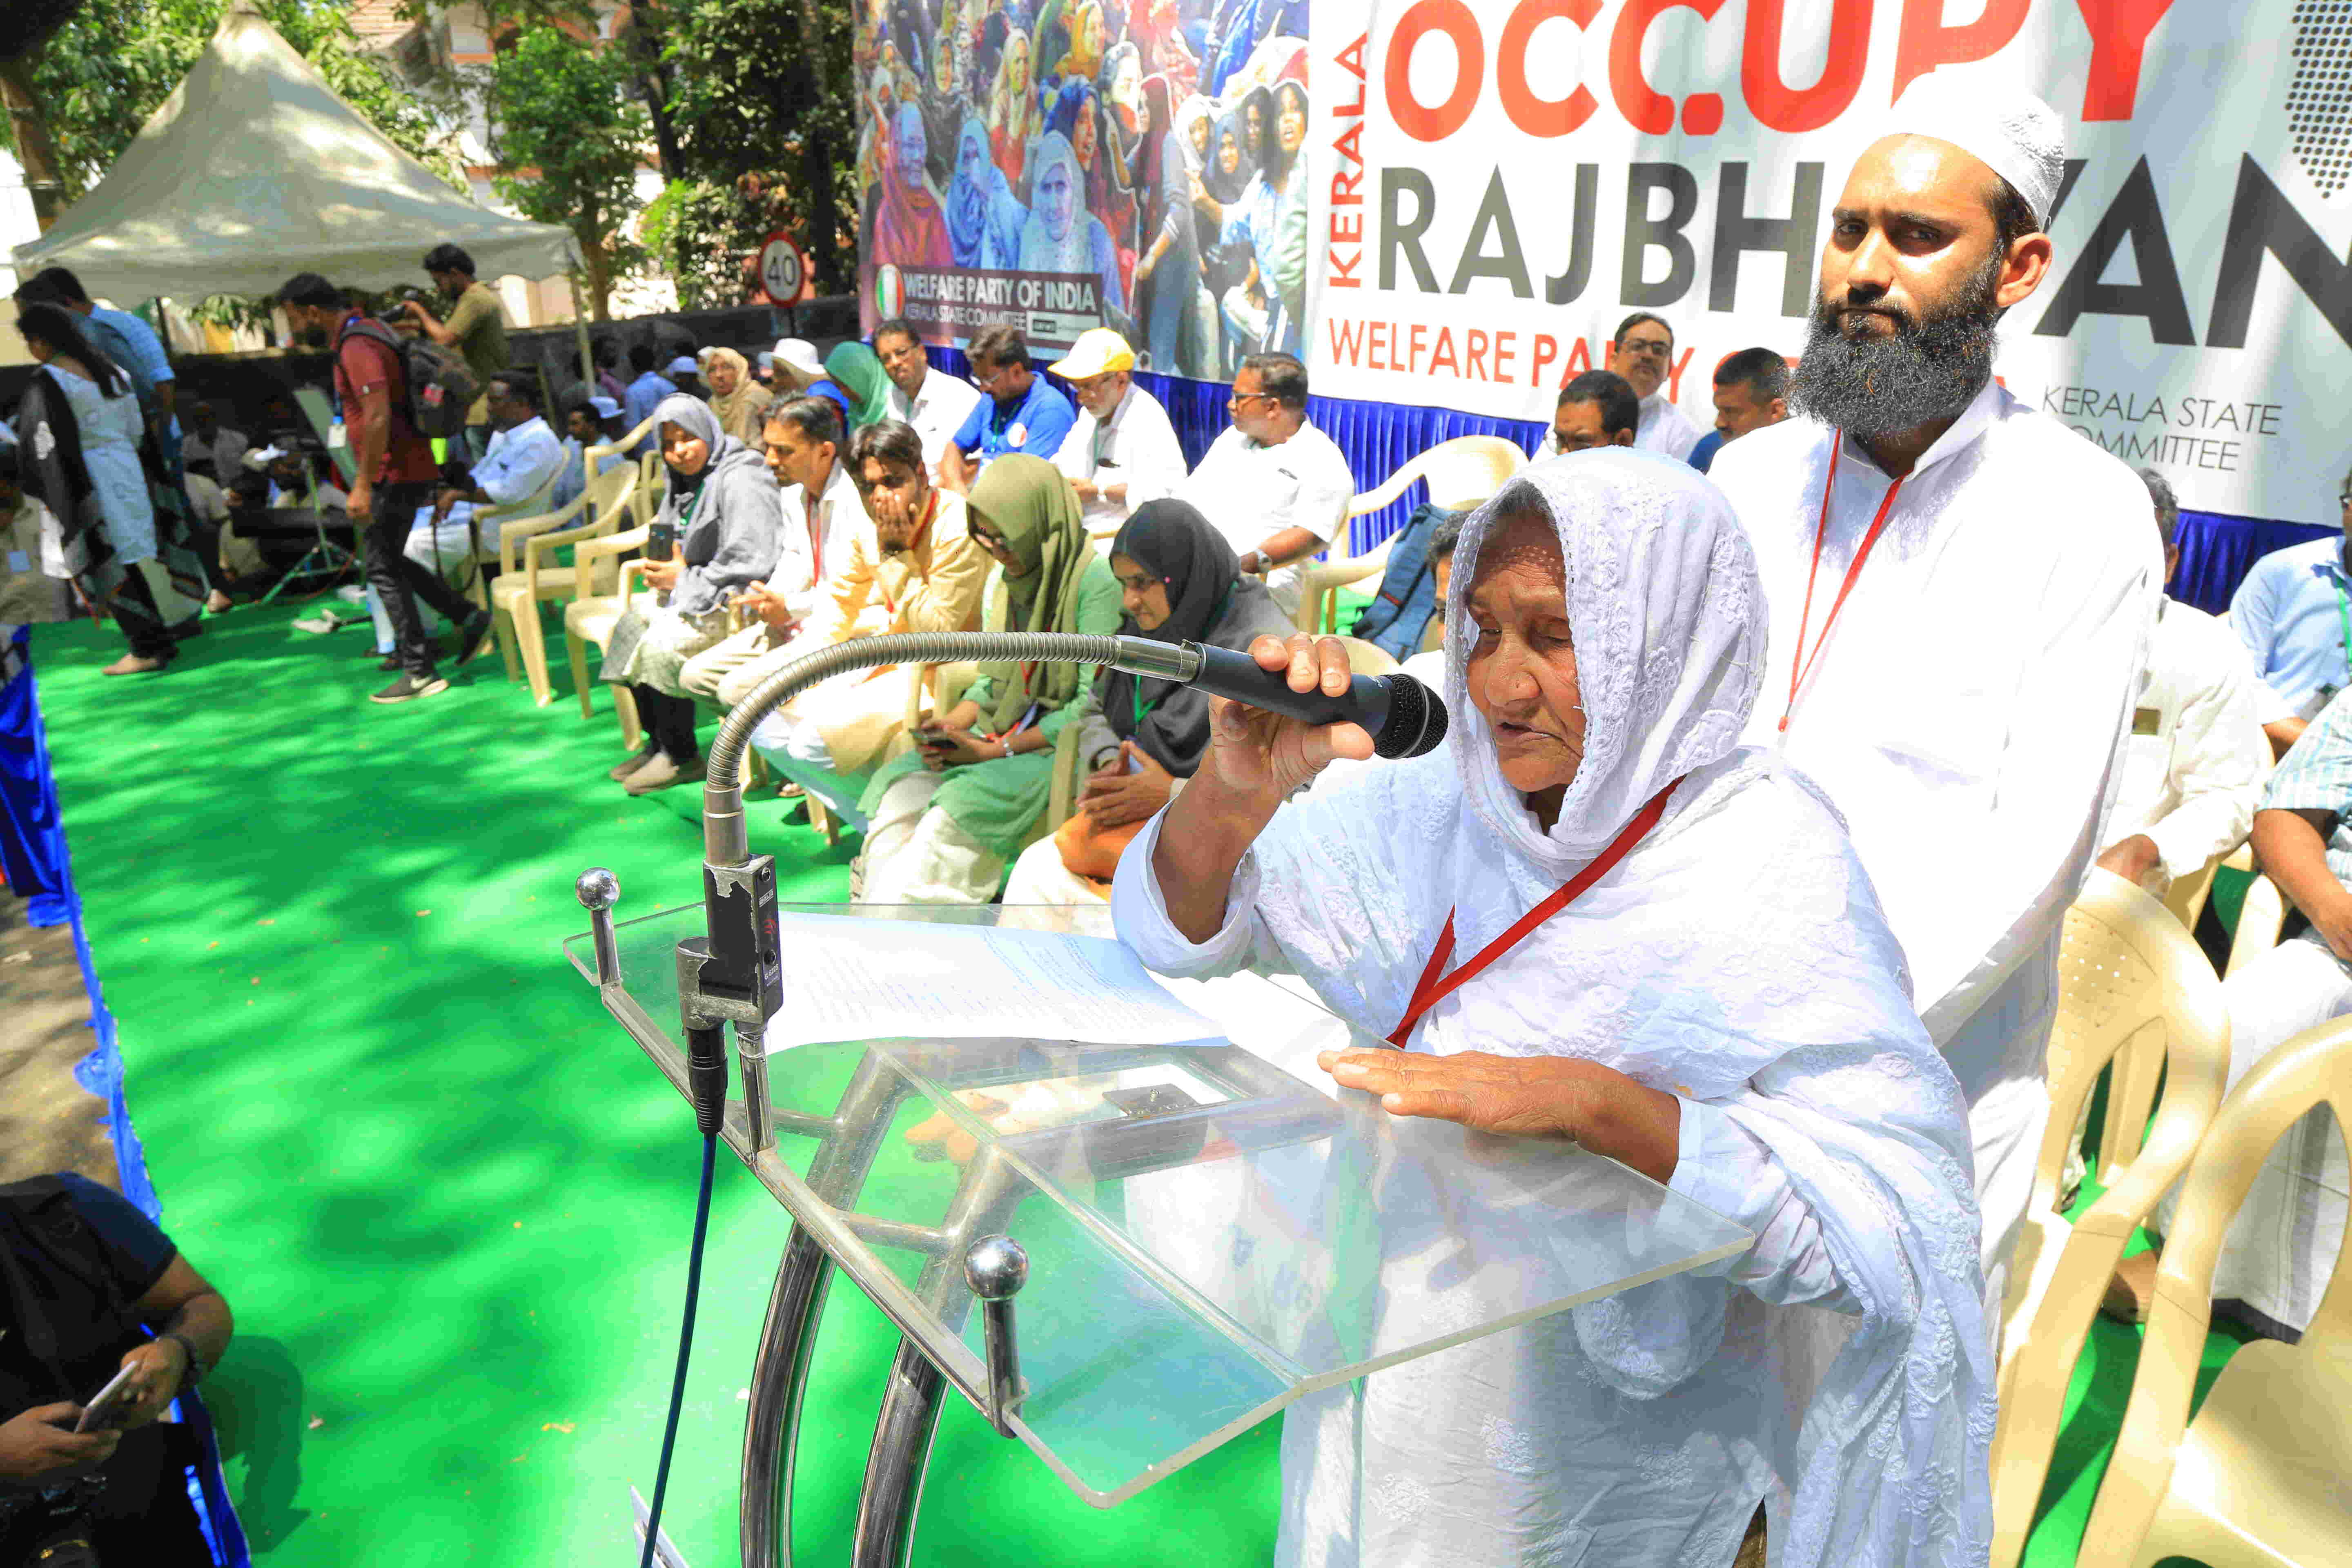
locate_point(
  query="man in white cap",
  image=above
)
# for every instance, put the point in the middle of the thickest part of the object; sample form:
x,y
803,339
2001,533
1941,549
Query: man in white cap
x,y
1644,354
1122,451
933,404
1961,593
798,365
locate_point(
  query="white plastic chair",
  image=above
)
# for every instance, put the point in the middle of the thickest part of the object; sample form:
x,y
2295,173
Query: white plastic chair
x,y
1462,473
2258,1479
2131,980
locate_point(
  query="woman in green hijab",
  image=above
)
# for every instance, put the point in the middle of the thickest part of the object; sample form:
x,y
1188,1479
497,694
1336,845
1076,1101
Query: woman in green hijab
x,y
857,371
948,817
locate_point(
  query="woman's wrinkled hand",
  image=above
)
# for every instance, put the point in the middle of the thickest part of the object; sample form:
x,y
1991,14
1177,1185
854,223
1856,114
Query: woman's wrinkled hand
x,y
1559,1097
1264,757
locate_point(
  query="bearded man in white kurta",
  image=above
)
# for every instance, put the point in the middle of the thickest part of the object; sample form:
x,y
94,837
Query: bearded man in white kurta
x,y
1960,592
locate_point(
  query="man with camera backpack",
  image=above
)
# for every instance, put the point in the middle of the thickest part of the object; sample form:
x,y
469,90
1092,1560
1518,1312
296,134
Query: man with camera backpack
x,y
84,1279
396,476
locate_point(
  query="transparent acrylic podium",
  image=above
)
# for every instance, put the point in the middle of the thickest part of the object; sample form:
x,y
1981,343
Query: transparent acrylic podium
x,y
1213,1230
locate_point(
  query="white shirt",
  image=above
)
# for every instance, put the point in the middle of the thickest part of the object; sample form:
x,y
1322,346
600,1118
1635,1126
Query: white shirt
x,y
2197,757
519,470
1664,428
936,412
807,561
1967,716
1136,446
1250,492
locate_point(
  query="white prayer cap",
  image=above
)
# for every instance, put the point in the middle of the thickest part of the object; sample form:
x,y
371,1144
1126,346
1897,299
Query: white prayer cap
x,y
800,356
2007,130
605,407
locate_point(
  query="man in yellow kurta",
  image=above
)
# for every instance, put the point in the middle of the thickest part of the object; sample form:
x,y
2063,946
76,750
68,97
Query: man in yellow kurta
x,y
913,566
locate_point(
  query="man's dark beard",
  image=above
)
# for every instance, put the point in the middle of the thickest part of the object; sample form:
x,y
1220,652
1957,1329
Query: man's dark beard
x,y
1926,369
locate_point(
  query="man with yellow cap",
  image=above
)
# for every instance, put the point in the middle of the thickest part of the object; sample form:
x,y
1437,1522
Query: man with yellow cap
x,y
1960,590
1122,451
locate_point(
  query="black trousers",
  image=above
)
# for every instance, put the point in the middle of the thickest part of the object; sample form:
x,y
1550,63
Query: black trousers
x,y
401,583
668,722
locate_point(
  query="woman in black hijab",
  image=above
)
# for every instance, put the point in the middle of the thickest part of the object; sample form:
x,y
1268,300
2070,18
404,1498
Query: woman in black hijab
x,y
1178,582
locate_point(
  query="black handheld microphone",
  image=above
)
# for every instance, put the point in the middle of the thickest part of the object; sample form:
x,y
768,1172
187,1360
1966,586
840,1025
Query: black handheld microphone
x,y
1404,717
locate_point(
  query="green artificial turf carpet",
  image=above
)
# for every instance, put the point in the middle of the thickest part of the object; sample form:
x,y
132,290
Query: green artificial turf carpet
x,y
448,1201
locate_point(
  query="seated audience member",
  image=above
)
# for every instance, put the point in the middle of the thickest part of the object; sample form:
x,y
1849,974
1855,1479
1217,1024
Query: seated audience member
x,y
207,515
721,504
514,478
1751,391
1428,666
1122,452
645,394
798,365
210,448
1018,411
2281,1250
2288,611
91,1288
855,379
1178,582
682,374
935,403
1595,409
740,401
590,422
1273,484
2194,765
32,589
1644,354
819,516
947,819
915,567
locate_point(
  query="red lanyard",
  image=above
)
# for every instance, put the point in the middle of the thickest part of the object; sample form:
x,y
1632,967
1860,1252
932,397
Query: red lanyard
x,y
1801,665
1436,984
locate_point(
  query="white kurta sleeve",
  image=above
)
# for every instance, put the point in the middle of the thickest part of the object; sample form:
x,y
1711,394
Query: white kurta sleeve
x,y
1722,1168
2015,870
2219,759
1140,915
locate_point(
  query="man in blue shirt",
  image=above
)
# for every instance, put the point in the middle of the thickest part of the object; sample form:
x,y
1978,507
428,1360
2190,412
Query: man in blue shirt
x,y
645,393
2294,613
1751,391
125,339
1021,413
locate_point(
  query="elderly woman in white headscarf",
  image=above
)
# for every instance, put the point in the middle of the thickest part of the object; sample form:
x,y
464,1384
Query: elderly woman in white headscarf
x,y
1596,916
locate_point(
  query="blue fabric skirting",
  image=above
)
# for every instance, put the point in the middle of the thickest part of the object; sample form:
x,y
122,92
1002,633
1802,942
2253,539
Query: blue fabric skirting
x,y
33,849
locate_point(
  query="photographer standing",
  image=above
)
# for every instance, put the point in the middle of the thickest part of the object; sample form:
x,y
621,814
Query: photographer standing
x,y
475,327
83,1276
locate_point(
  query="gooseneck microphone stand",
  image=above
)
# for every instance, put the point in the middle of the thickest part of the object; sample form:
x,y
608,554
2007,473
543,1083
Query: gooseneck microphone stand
x,y
733,975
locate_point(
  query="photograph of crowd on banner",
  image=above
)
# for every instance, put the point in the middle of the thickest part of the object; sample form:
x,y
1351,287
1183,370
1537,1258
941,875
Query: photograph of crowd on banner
x,y
1062,164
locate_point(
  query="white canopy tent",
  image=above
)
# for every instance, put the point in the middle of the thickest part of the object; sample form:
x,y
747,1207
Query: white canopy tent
x,y
252,171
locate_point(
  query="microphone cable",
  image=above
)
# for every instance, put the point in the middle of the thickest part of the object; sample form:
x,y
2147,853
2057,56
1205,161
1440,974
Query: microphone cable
x,y
685,1347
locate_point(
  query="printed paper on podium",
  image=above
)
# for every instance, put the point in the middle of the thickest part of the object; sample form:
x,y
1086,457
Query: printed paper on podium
x,y
857,979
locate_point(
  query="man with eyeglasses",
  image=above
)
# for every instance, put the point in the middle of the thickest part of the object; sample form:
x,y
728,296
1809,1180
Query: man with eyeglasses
x,y
1643,353
1274,484
1021,413
933,404
2294,613
1595,409
1122,451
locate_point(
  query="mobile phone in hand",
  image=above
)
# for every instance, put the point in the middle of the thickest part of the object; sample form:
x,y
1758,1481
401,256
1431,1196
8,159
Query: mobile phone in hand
x,y
661,541
103,1412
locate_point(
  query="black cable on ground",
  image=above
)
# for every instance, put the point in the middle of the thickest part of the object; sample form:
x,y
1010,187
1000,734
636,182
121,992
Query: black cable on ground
x,y
685,1347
